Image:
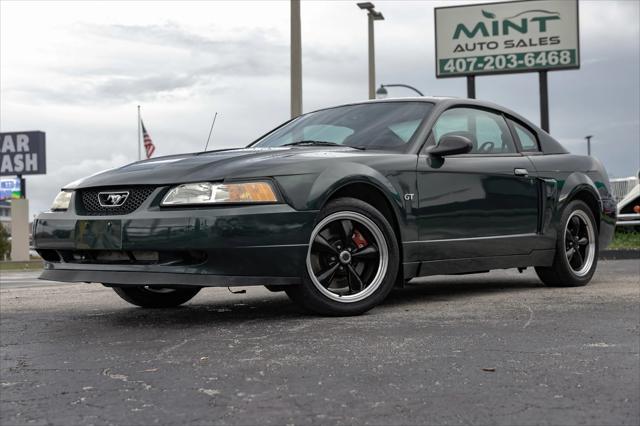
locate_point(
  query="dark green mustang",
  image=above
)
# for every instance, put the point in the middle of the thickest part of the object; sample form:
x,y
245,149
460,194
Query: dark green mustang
x,y
336,207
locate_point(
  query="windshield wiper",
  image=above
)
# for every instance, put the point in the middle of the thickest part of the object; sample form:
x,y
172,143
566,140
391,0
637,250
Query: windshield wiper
x,y
319,143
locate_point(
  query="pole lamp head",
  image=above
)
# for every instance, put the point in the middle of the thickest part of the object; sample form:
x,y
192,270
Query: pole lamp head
x,y
370,7
381,93
366,6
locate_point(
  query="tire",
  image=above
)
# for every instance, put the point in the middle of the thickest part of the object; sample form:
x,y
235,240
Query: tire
x,y
573,267
352,261
147,297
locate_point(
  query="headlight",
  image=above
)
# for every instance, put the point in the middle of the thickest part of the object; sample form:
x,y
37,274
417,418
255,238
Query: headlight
x,y
214,193
62,200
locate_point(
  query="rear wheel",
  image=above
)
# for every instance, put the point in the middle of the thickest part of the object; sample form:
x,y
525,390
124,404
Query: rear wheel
x,y
156,297
352,260
576,255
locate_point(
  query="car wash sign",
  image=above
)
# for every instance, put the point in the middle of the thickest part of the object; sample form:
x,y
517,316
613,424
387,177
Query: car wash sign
x,y
518,36
22,153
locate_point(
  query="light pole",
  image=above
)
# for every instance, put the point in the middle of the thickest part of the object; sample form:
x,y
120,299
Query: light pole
x,y
588,138
382,91
373,15
296,60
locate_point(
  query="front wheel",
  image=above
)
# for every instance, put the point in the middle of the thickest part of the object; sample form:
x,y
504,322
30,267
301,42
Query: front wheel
x,y
576,249
352,261
156,297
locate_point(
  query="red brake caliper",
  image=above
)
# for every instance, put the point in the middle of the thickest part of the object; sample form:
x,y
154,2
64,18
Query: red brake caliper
x,y
358,239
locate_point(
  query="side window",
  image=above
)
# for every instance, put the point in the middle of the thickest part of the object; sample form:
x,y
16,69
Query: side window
x,y
452,121
528,140
488,132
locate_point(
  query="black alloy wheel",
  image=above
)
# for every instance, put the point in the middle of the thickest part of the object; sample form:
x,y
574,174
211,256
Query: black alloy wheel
x,y
352,260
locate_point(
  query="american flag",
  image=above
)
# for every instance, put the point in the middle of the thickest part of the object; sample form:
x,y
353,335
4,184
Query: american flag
x,y
149,147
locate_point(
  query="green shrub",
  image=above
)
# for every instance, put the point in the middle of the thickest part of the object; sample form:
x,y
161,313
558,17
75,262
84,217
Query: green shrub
x,y
625,239
5,243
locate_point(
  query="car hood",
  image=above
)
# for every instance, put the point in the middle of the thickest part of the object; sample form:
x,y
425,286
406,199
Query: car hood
x,y
223,164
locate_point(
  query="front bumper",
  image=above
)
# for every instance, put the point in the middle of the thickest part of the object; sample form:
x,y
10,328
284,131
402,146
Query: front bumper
x,y
221,246
628,219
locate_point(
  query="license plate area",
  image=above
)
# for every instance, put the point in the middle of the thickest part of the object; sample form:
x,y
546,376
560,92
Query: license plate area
x,y
98,235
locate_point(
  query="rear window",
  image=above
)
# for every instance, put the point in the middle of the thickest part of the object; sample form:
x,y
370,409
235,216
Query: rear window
x,y
528,141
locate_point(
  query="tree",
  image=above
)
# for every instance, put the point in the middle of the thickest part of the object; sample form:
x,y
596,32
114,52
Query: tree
x,y
5,243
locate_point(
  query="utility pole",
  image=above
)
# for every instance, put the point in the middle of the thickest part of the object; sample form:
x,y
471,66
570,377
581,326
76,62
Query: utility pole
x,y
544,100
372,15
296,60
588,138
139,141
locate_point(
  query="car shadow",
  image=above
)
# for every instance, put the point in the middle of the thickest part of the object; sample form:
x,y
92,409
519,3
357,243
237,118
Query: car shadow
x,y
276,307
451,288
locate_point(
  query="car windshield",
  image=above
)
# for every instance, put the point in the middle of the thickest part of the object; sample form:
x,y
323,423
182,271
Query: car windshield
x,y
384,125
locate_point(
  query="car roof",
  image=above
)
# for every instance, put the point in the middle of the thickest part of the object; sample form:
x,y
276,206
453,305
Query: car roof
x,y
547,143
443,102
448,100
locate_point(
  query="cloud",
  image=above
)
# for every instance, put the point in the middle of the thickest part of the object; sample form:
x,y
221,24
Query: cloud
x,y
176,36
176,63
113,89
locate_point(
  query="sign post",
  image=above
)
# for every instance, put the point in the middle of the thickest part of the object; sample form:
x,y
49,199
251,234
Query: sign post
x,y
21,153
544,100
20,230
508,37
471,86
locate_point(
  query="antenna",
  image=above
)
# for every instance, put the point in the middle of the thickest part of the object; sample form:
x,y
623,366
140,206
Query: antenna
x,y
210,131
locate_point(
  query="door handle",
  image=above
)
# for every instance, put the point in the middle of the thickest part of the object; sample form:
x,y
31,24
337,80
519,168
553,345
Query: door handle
x,y
521,172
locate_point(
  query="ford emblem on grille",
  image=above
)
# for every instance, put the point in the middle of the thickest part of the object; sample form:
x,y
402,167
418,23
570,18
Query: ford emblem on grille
x,y
112,199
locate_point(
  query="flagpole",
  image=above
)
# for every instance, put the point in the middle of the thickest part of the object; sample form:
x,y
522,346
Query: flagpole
x,y
139,144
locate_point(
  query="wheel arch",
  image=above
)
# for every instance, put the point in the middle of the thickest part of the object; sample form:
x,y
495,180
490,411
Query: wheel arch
x,y
374,196
370,194
591,200
578,186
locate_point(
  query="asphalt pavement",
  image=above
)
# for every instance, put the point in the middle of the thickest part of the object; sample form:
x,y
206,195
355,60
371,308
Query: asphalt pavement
x,y
496,348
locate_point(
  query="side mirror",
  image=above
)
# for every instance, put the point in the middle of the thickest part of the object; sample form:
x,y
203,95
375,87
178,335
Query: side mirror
x,y
451,145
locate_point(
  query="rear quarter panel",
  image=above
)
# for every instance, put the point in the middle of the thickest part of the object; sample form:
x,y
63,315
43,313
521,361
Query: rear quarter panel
x,y
571,174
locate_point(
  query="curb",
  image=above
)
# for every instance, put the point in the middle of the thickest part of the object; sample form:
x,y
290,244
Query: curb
x,y
13,266
619,254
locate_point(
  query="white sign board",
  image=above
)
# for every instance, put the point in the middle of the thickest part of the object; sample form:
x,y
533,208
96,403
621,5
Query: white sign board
x,y
517,36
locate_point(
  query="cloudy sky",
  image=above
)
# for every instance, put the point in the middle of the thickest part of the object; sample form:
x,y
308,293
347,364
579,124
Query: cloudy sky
x,y
77,70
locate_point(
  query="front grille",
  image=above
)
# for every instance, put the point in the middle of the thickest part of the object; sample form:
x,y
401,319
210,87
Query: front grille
x,y
88,203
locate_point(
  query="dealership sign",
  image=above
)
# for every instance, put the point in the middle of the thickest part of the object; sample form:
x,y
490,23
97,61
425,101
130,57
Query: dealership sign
x,y
22,153
507,37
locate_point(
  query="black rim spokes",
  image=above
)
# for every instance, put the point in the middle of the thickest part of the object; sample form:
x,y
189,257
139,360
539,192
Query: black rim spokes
x,y
322,244
354,280
327,276
368,252
345,256
347,231
576,242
